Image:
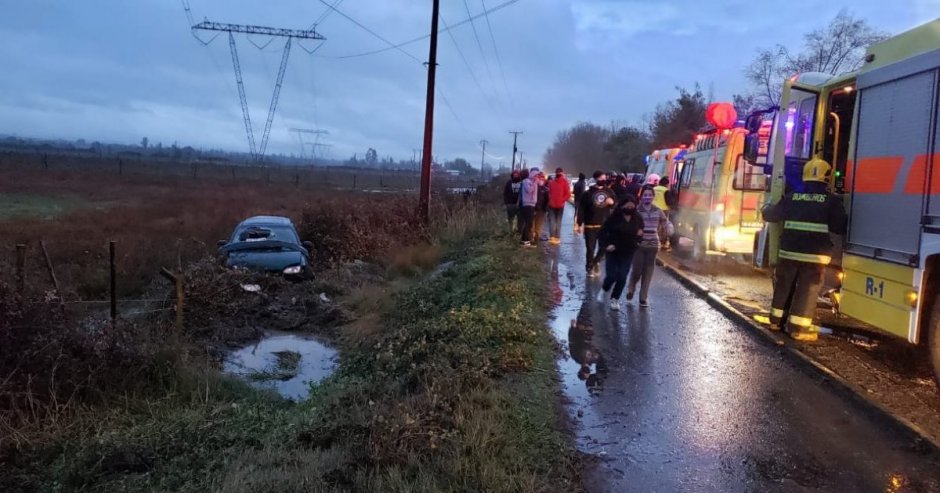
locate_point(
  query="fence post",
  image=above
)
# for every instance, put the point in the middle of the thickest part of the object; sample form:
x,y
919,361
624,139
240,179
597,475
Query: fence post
x,y
354,182
45,161
177,279
49,268
233,171
20,269
111,249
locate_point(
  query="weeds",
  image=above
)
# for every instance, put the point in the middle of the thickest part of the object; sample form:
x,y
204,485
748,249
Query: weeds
x,y
445,381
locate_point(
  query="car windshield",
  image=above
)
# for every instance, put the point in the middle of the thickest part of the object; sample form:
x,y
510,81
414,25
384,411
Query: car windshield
x,y
265,233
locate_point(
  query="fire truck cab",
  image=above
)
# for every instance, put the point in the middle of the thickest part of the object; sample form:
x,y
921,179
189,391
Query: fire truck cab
x,y
878,127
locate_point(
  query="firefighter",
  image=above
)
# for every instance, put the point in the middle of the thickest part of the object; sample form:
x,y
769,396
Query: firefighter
x,y
808,218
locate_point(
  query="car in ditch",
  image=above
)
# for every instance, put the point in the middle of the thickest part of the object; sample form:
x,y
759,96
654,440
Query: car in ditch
x,y
268,244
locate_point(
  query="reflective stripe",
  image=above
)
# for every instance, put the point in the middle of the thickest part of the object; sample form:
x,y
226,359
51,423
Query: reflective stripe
x,y
801,321
804,226
776,312
806,257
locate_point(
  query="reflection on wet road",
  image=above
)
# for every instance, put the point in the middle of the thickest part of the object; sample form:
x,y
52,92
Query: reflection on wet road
x,y
677,398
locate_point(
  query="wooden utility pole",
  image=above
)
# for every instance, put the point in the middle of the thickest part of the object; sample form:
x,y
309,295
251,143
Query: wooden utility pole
x,y
425,198
113,290
20,269
515,138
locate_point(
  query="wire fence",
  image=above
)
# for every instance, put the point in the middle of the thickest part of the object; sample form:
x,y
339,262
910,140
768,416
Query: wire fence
x,y
221,171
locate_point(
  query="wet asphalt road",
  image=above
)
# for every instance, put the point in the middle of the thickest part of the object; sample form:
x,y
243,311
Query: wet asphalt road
x,y
678,398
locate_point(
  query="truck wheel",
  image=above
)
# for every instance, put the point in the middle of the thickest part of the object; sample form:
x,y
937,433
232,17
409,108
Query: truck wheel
x,y
698,244
933,337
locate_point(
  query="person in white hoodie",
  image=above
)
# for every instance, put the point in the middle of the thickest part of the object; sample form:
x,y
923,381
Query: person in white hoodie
x,y
528,199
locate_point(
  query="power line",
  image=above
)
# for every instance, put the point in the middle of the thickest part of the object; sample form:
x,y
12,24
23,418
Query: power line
x,y
473,75
327,12
499,60
373,33
421,38
476,36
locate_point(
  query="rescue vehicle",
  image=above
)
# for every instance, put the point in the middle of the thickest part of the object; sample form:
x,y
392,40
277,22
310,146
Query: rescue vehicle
x,y
878,127
663,163
719,194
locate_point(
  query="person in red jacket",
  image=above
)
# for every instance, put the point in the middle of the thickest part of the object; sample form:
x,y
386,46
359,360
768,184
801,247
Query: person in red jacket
x,y
559,191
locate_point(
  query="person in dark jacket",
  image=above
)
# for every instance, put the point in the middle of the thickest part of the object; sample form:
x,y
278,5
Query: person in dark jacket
x,y
808,217
634,186
620,236
541,209
511,198
593,209
620,187
579,188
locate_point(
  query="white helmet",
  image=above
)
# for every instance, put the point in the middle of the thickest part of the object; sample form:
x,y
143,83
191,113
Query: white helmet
x,y
652,179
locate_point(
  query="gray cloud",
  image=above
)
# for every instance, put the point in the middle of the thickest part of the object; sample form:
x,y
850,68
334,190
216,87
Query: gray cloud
x,y
118,70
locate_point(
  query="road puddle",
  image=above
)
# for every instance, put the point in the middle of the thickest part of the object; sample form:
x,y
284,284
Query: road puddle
x,y
283,362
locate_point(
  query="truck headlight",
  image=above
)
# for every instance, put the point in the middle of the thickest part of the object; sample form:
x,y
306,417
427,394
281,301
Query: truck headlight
x,y
294,269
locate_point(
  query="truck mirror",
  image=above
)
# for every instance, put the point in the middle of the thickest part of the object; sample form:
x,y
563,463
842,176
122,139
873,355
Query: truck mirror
x,y
751,148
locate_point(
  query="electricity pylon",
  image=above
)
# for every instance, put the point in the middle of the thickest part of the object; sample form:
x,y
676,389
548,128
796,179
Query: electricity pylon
x,y
257,153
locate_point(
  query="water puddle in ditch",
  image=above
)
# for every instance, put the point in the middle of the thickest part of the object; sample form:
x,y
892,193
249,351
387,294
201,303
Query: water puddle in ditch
x,y
283,362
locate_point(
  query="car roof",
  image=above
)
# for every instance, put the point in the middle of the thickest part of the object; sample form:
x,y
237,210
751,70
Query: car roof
x,y
266,221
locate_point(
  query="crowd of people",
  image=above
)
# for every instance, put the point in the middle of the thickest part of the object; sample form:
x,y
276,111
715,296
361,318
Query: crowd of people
x,y
624,222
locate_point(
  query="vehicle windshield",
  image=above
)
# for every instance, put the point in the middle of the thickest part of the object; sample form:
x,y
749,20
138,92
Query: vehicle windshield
x,y
264,234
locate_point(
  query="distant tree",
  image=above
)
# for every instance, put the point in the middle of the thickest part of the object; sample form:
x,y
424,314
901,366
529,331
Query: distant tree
x,y
144,142
747,104
579,149
676,122
459,164
835,49
627,147
372,157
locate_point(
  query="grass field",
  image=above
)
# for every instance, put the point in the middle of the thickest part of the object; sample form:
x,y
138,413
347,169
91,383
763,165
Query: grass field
x,y
445,384
38,206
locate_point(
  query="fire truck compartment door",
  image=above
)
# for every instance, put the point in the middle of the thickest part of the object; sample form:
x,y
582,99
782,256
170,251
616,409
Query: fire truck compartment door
x,y
894,129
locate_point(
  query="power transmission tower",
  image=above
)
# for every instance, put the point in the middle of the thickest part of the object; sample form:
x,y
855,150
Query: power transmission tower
x,y
300,132
424,200
515,137
482,159
256,152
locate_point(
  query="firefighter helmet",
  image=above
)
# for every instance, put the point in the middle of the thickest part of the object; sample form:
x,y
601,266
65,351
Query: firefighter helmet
x,y
816,169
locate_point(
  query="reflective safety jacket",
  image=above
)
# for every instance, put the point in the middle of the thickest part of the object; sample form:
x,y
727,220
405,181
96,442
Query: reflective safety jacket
x,y
808,218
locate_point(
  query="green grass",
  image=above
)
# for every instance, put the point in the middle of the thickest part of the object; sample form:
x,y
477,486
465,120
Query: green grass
x,y
26,205
454,390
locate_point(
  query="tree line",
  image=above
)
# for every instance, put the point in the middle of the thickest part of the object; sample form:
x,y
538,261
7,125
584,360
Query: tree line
x,y
836,48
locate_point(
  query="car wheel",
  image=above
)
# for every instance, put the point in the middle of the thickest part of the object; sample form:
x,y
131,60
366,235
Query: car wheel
x,y
933,337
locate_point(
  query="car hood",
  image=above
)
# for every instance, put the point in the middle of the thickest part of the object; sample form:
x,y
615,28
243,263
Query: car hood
x,y
266,260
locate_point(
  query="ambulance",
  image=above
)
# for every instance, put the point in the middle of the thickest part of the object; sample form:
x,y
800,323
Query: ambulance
x,y
720,194
663,163
879,129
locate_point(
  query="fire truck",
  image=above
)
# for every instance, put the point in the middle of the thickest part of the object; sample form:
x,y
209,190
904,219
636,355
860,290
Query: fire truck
x,y
878,127
663,163
719,194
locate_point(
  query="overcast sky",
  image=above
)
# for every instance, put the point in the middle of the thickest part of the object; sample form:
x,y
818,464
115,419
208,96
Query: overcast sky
x,y
120,70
